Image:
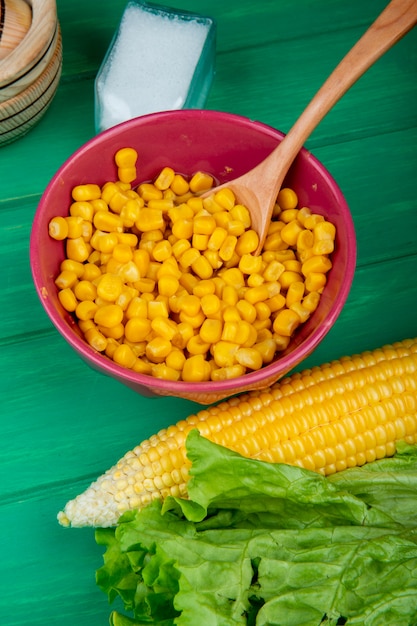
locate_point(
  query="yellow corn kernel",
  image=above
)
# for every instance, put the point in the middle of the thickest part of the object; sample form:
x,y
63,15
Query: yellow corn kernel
x,y
130,212
126,297
290,233
161,370
108,315
226,198
90,271
184,332
158,349
150,219
175,359
179,185
113,332
217,238
85,290
109,287
230,314
82,209
295,292
190,305
311,301
301,311
196,369
196,345
202,268
126,174
142,366
241,214
246,311
138,307
247,242
317,263
179,247
201,182
157,308
285,322
213,258
162,251
305,240
96,339
122,253
250,264
257,294
188,281
255,280
287,198
145,285
229,295
204,225
182,228
204,288
273,271
281,342
165,178
72,266
312,220
249,358
86,310
211,331
85,325
75,226
141,259
137,329
66,278
118,200
210,304
231,331
276,303
111,347
315,281
222,219
168,285
104,242
274,242
123,355
77,249
288,277
189,257
164,327
67,299
84,193
224,353
228,247
126,157
227,373
199,242
164,204
235,227
286,216
266,349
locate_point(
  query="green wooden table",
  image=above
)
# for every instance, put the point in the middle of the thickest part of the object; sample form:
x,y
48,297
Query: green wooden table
x,y
62,423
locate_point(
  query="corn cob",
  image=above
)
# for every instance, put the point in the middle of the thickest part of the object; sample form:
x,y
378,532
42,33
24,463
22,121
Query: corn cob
x,y
343,414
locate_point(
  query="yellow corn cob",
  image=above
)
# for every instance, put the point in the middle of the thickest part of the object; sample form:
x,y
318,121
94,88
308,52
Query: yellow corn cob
x,y
342,414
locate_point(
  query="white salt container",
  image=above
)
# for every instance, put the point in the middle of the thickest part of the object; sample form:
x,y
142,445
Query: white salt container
x,y
159,59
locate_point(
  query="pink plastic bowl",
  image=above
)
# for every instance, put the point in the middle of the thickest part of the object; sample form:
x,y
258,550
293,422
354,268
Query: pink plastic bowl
x,y
225,145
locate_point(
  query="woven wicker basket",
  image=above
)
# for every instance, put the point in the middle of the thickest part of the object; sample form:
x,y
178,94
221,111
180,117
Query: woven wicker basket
x,y
30,73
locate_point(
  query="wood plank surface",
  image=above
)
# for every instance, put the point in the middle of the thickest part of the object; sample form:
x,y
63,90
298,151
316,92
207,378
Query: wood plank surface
x,y
63,423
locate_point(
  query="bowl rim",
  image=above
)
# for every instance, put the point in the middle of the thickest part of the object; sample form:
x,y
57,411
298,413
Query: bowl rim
x,y
167,387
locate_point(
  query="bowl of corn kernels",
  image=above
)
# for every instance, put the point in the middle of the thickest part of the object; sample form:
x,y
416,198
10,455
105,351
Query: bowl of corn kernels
x,y
159,287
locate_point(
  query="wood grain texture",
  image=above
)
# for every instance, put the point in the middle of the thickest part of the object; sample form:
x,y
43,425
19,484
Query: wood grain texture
x,y
63,423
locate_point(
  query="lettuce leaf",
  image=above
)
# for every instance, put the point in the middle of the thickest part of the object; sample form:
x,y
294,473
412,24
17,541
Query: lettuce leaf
x,y
266,544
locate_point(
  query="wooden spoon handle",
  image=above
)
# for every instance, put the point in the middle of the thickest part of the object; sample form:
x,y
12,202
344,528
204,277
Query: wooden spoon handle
x,y
392,24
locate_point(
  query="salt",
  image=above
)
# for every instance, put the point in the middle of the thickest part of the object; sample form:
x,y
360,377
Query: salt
x,y
160,59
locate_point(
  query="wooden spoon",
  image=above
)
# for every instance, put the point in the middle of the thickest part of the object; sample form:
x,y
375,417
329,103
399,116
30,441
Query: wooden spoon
x,y
258,188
